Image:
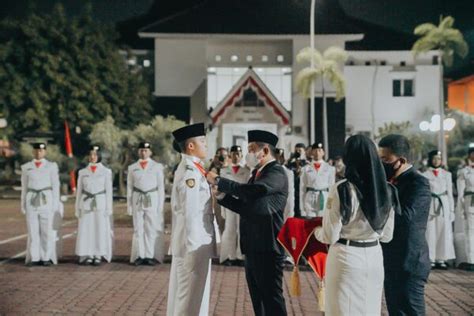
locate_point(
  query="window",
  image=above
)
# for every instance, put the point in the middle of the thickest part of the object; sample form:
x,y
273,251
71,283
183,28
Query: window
x,y
403,88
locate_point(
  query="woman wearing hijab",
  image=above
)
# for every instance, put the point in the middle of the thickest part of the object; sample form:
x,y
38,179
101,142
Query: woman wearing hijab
x,y
439,233
358,216
94,211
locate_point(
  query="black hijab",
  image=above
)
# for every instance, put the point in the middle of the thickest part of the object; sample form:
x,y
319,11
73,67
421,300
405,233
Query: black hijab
x,y
365,171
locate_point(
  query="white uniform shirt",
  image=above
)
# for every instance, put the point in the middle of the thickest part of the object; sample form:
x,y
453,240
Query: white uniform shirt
x,y
441,185
358,228
150,181
38,178
191,206
465,181
94,190
242,175
321,179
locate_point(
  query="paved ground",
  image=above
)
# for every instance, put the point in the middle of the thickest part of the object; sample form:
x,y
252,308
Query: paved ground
x,y
121,289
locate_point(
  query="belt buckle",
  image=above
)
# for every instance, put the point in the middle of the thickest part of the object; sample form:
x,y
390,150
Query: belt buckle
x,y
348,242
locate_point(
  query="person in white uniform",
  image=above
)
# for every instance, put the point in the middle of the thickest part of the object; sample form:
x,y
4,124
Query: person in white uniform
x,y
290,202
316,179
359,214
145,201
465,184
40,203
439,232
94,209
230,242
193,239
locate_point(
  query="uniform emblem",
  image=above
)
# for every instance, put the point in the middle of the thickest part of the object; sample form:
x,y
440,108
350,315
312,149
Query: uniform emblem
x,y
329,203
190,183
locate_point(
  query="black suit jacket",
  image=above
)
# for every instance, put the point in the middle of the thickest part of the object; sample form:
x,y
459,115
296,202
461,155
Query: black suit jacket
x,y
408,250
260,203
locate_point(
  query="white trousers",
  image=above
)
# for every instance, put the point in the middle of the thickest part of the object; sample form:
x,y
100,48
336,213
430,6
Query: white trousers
x,y
41,237
148,240
94,236
469,228
439,235
190,285
230,243
354,280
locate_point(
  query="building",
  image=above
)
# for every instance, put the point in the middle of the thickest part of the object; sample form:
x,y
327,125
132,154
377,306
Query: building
x,y
234,67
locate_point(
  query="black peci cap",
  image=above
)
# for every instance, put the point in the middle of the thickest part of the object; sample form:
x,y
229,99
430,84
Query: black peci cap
x,y
39,146
235,148
186,132
317,145
259,136
144,145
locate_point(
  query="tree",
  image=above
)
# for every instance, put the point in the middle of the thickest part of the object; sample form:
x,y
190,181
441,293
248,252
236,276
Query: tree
x,y
53,69
419,144
119,146
322,67
448,41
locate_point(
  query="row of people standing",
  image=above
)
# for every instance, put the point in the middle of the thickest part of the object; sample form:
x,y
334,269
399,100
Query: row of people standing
x,y
40,202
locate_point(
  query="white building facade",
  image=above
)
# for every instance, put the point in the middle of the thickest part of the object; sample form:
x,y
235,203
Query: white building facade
x,y
381,86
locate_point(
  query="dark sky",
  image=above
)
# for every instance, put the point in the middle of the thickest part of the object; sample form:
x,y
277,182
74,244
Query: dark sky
x,y
401,15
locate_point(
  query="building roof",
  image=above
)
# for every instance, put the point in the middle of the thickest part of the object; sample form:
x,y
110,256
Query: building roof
x,y
250,80
255,17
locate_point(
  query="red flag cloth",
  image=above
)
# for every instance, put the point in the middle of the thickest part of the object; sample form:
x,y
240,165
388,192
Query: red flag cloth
x,y
317,165
93,168
143,164
68,145
297,237
67,139
435,172
38,164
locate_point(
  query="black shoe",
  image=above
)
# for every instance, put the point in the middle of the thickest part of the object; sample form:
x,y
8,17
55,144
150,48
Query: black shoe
x,y
433,266
150,261
46,263
469,267
97,262
33,263
228,263
442,266
239,263
89,261
138,261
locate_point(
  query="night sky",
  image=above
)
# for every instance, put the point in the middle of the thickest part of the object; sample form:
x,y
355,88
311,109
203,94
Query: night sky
x,y
401,15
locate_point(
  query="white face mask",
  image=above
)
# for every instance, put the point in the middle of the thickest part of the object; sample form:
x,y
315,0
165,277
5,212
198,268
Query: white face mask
x,y
252,160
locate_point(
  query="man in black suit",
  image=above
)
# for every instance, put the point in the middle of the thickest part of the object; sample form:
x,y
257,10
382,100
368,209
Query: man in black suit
x,y
260,203
406,257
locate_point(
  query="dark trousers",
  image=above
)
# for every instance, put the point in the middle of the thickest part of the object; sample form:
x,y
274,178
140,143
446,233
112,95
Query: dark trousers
x,y
264,273
404,293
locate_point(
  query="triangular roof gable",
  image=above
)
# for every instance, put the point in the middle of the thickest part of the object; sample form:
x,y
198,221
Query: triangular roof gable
x,y
250,79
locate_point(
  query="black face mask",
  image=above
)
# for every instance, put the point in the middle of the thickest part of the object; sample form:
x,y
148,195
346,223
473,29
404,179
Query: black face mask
x,y
390,169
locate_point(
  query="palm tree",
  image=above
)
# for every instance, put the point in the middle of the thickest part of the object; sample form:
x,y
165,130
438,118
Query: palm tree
x,y
322,67
448,41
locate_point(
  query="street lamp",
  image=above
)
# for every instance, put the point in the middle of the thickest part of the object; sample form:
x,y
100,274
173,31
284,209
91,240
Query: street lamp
x,y
3,122
434,125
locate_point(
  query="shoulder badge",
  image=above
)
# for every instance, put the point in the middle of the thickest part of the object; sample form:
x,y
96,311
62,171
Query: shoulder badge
x,y
190,183
188,167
